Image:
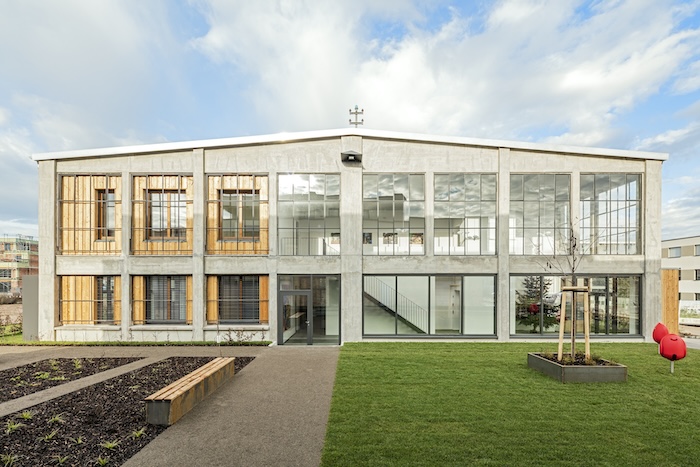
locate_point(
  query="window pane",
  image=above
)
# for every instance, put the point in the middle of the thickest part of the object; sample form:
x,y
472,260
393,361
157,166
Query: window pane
x,y
442,187
417,188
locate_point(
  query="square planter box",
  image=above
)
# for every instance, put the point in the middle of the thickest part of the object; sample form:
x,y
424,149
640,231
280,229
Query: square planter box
x,y
577,373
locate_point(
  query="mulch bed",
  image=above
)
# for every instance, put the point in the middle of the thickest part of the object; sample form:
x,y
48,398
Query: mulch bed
x,y
103,423
35,377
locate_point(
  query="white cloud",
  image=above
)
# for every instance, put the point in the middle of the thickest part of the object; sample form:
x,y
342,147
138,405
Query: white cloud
x,y
532,63
4,116
18,227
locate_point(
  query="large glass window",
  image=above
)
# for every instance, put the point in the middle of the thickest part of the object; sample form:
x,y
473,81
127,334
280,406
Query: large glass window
x,y
105,298
308,214
535,304
610,214
539,221
429,305
465,214
393,218
106,214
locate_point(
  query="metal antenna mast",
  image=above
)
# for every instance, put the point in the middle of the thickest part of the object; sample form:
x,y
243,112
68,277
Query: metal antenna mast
x,y
356,113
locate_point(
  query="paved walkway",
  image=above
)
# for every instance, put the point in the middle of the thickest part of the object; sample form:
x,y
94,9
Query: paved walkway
x,y
273,412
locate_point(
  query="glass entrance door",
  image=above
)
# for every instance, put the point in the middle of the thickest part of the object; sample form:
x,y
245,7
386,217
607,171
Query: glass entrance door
x,y
296,318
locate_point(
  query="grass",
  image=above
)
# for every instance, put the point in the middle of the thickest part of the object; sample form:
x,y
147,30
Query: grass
x,y
479,404
17,340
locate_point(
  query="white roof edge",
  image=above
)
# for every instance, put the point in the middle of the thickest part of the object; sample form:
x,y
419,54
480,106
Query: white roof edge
x,y
336,133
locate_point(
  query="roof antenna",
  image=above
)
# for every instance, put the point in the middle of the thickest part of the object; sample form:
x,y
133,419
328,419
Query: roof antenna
x,y
356,113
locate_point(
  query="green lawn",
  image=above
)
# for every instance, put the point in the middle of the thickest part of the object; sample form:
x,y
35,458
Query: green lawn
x,y
479,404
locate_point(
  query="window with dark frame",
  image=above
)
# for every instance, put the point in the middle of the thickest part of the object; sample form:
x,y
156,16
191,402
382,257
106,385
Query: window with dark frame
x,y
239,299
239,215
166,299
167,214
106,214
697,274
104,299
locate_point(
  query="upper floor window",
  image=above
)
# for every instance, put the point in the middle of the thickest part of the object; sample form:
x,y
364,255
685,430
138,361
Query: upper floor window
x,y
539,222
308,214
610,214
89,207
697,250
675,252
106,214
393,214
465,214
162,214
237,215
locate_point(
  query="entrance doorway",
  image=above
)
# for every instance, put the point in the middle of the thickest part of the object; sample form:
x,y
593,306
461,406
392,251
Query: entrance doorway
x,y
309,310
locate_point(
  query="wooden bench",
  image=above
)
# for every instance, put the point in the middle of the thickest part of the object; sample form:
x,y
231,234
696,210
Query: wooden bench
x,y
168,405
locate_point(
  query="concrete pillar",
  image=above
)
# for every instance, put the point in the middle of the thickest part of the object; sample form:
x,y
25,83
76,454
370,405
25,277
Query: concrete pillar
x,y
503,280
48,282
351,247
651,248
126,304
272,265
199,295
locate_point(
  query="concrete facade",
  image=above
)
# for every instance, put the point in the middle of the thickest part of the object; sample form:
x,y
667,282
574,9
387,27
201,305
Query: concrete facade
x,y
320,153
683,254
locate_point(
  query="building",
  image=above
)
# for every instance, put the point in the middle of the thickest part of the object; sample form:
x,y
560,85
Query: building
x,y
683,254
344,235
19,256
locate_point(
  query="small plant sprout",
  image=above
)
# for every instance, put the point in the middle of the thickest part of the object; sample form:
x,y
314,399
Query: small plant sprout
x,y
50,436
111,445
60,460
58,378
11,426
58,418
8,460
102,460
77,363
42,375
54,364
78,440
138,433
26,415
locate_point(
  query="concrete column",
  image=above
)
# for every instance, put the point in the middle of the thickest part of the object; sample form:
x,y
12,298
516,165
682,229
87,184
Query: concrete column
x,y
651,248
199,295
125,298
351,247
428,237
503,279
48,282
272,265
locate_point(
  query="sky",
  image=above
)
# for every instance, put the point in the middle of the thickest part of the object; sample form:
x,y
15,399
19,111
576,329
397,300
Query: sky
x,y
78,74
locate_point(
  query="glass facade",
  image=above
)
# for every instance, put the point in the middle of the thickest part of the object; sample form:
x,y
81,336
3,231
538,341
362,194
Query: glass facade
x,y
539,221
309,309
614,304
308,214
465,214
429,305
393,214
610,214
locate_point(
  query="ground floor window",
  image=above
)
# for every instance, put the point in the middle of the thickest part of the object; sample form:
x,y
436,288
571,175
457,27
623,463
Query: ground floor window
x,y
237,299
429,305
309,309
162,299
89,300
614,304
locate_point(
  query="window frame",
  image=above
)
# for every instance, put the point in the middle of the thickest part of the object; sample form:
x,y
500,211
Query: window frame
x,y
106,212
240,203
180,205
239,299
675,252
169,288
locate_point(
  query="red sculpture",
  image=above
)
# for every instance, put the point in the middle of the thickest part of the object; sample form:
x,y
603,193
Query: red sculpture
x,y
672,347
660,331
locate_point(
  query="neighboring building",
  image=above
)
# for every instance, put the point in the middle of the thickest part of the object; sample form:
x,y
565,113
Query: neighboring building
x,y
684,254
19,257
344,235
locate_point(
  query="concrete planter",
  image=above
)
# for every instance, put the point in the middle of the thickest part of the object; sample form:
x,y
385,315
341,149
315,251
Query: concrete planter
x,y
577,373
